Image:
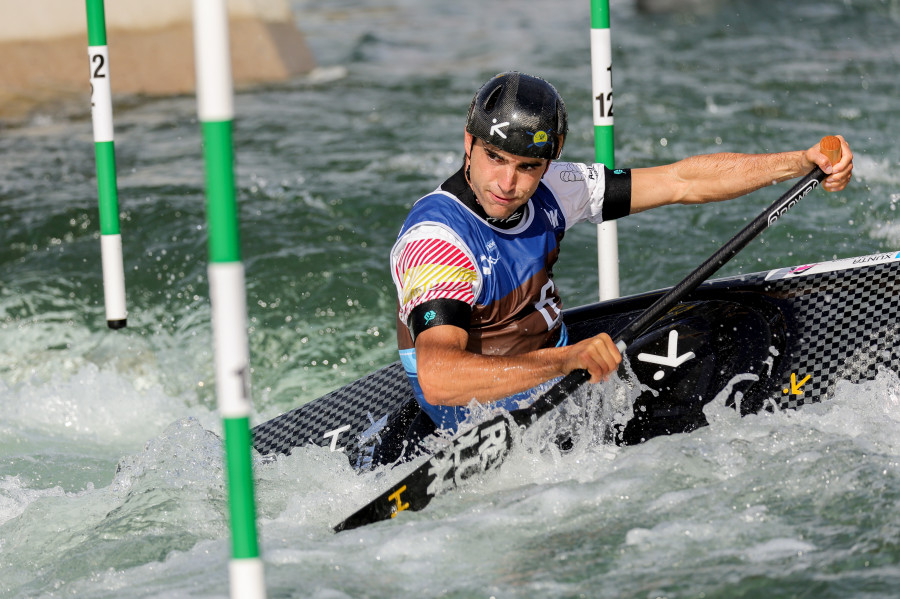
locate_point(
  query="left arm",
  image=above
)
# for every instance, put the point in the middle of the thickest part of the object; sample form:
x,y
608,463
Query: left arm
x,y
724,176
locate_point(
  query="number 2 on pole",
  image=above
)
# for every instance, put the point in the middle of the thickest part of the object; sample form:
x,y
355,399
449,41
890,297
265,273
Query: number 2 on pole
x,y
98,58
606,105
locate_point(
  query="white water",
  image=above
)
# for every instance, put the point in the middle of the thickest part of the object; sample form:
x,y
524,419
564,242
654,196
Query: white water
x,y
795,499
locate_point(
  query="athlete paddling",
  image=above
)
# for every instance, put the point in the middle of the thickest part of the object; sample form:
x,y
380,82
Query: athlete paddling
x,y
479,314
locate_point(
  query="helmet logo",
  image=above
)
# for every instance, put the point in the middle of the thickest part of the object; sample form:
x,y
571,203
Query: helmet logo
x,y
539,139
496,128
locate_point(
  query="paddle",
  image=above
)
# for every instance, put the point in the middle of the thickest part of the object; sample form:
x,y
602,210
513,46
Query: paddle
x,y
484,446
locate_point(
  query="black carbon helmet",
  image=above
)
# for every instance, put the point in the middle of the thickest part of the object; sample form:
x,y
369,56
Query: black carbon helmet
x,y
520,114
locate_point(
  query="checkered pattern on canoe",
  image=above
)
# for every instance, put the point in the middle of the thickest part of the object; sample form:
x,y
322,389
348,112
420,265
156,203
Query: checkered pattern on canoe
x,y
356,404
843,326
846,324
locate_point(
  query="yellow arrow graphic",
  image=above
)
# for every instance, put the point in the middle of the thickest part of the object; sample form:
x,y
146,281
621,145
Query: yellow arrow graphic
x,y
795,386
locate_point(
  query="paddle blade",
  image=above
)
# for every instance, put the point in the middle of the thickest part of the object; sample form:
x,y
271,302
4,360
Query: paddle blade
x,y
411,493
475,451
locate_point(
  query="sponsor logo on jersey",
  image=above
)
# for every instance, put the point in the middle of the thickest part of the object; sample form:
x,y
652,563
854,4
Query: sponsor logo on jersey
x,y
474,452
491,258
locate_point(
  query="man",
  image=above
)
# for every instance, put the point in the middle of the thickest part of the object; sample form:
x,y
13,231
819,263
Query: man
x,y
479,315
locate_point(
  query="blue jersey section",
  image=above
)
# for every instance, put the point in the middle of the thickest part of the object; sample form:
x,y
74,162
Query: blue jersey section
x,y
507,259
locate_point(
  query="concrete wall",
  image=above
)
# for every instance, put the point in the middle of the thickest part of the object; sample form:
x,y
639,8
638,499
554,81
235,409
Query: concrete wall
x,y
45,61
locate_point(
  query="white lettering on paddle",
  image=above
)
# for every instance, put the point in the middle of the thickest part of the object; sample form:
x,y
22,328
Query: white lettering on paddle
x,y
451,468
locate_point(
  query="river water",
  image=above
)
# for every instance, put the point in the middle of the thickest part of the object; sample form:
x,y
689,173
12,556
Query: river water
x,y
111,479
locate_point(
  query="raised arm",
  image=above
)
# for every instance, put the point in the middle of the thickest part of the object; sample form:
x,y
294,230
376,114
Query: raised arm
x,y
724,176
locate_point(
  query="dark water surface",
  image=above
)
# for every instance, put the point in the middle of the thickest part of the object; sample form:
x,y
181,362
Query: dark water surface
x,y
110,474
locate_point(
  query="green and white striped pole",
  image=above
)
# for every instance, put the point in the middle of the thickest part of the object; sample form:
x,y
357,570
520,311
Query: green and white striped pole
x,y
105,152
215,106
601,88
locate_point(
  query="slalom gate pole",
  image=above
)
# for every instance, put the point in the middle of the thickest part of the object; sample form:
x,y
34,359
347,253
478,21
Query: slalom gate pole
x,y
601,88
105,152
215,107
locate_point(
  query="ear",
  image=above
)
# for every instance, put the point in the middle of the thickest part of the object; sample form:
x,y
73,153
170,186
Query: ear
x,y
467,149
562,142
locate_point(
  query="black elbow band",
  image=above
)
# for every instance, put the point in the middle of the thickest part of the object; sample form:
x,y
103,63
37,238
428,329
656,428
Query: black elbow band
x,y
617,198
439,312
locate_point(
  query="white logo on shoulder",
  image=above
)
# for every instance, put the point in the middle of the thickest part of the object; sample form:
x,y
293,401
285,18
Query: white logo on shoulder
x,y
570,174
553,215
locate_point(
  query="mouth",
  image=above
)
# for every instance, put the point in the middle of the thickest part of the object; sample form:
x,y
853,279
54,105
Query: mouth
x,y
501,200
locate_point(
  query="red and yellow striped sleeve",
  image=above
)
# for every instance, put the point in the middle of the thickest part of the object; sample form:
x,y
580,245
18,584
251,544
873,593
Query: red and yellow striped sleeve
x,y
430,269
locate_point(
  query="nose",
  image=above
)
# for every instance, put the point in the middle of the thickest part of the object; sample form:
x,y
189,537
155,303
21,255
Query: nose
x,y
507,178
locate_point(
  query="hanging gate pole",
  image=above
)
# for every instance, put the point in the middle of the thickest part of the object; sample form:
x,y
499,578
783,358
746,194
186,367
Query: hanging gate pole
x,y
601,87
105,152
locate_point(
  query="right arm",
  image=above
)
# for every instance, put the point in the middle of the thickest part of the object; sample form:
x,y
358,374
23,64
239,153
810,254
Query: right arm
x,y
451,375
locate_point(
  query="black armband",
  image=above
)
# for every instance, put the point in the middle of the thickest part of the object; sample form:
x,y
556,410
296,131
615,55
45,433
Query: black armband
x,y
617,196
437,312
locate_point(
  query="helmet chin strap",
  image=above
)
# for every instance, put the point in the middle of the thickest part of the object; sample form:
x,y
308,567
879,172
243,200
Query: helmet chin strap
x,y
469,168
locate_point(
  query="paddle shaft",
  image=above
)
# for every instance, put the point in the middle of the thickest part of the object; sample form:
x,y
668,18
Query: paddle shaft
x,y
720,257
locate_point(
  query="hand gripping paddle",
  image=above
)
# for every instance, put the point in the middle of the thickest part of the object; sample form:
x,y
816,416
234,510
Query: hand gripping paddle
x,y
484,446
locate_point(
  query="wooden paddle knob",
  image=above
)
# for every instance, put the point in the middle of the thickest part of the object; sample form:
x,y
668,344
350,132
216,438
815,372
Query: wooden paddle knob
x,y
831,147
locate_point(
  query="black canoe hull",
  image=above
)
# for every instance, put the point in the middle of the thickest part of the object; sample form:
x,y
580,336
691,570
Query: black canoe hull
x,y
772,340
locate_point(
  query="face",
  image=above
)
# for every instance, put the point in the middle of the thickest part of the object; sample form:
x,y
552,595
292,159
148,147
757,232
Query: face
x,y
502,181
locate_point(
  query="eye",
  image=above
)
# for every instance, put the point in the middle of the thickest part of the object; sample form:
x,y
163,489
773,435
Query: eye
x,y
493,156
